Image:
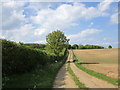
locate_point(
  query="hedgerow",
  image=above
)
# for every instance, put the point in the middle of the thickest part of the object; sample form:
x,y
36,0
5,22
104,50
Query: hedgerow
x,y
17,58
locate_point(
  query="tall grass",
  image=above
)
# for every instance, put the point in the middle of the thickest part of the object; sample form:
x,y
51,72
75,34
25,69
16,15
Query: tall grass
x,y
38,78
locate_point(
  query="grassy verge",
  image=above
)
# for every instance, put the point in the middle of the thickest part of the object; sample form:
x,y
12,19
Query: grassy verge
x,y
96,74
39,78
75,78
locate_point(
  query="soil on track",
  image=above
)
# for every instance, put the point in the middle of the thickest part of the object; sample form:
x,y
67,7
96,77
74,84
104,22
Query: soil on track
x,y
63,79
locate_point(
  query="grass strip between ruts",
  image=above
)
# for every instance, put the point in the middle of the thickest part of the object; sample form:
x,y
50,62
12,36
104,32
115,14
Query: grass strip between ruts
x,y
75,78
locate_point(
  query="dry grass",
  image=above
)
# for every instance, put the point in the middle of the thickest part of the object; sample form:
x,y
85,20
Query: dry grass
x,y
107,59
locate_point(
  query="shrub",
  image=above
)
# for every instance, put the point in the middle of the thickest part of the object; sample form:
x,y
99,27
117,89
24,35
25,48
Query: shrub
x,y
19,59
109,46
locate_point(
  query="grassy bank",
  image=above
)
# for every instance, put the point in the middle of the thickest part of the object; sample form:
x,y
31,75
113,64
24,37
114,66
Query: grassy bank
x,y
25,67
96,74
39,78
75,78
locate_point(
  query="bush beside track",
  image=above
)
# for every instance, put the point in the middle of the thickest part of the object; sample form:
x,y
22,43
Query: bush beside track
x,y
18,59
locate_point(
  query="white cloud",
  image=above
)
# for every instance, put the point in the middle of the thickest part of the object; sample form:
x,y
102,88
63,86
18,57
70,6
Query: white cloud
x,y
39,31
117,42
105,43
83,34
64,16
2,37
24,33
89,32
108,43
103,6
41,41
39,5
106,38
114,18
12,15
47,19
74,24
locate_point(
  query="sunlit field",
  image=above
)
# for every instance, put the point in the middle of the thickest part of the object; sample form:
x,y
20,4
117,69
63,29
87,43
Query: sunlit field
x,y
100,60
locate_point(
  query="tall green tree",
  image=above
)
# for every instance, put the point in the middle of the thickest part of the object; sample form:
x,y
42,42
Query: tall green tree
x,y
56,42
75,46
69,46
81,47
109,46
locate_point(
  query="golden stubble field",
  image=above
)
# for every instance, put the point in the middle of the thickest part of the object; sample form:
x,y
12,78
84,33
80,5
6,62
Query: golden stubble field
x,y
107,60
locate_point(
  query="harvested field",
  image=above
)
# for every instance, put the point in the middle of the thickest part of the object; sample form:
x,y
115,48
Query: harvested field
x,y
100,60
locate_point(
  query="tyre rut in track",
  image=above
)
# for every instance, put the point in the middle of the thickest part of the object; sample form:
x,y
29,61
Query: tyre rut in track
x,y
63,79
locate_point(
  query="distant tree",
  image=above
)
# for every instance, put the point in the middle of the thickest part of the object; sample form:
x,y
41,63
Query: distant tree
x,y
72,47
42,46
56,42
75,46
69,46
21,43
109,46
81,47
90,47
36,45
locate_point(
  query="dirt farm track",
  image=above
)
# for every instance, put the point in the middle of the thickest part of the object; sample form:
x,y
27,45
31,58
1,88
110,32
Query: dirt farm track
x,y
107,65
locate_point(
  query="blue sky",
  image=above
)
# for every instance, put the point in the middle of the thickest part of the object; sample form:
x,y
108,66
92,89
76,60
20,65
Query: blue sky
x,y
82,22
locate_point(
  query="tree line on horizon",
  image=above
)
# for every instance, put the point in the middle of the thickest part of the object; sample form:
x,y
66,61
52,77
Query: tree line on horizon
x,y
87,46
58,44
74,46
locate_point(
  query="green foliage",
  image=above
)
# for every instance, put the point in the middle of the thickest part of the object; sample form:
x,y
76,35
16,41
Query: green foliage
x,y
75,46
74,56
109,46
81,47
38,78
18,59
21,43
69,46
90,47
35,45
56,42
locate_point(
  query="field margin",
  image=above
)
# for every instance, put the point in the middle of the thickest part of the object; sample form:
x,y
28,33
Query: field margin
x,y
95,74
